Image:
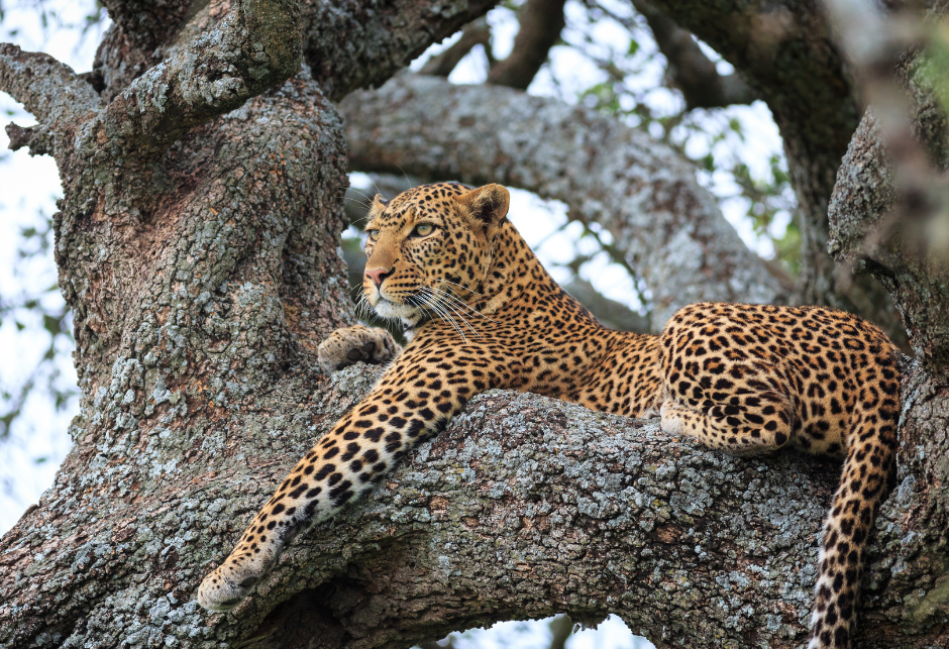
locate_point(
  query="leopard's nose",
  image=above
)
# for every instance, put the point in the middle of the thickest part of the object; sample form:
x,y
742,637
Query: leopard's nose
x,y
378,276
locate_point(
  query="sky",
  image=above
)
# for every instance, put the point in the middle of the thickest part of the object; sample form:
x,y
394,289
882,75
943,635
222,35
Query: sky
x,y
29,186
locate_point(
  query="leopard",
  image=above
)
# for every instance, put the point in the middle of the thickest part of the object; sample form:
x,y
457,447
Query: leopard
x,y
480,312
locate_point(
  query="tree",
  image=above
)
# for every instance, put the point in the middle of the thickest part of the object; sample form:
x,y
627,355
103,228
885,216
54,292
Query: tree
x,y
203,162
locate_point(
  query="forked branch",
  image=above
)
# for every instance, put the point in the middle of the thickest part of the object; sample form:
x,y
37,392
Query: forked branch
x,y
48,89
689,69
256,44
540,26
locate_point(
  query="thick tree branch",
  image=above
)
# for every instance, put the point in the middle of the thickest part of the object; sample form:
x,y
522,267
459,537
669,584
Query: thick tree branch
x,y
689,69
524,506
477,32
541,22
348,45
787,53
196,325
256,45
48,89
357,43
644,193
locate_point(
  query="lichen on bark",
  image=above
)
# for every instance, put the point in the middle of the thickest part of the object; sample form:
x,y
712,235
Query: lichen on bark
x,y
202,274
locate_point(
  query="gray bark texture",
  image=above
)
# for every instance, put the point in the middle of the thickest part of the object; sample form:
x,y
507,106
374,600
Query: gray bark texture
x,y
670,229
889,213
202,271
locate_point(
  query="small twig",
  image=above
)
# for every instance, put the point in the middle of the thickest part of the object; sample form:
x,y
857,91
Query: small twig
x,y
475,33
689,69
541,24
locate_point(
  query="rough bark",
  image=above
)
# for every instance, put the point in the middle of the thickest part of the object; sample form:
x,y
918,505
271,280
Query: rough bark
x,y
865,233
348,45
644,193
361,43
524,507
888,216
196,247
202,272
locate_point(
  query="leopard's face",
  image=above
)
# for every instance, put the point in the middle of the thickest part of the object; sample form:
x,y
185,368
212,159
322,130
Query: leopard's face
x,y
430,248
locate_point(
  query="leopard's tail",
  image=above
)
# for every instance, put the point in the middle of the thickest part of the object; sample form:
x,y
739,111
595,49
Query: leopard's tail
x,y
869,473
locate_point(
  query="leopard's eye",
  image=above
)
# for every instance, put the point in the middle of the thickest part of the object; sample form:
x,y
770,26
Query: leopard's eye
x,y
424,229
374,235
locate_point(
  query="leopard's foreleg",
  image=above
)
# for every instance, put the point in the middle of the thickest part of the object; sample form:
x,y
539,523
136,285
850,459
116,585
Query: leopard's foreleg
x,y
414,399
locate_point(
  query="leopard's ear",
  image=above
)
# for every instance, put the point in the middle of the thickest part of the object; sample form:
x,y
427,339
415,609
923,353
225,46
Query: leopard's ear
x,y
378,204
486,207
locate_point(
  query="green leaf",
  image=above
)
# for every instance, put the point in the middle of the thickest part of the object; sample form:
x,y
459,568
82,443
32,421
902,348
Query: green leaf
x,y
52,324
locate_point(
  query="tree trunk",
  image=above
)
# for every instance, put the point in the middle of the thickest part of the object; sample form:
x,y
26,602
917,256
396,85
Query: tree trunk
x,y
196,245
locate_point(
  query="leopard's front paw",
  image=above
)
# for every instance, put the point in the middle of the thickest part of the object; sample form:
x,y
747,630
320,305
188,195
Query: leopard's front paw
x,y
228,585
347,345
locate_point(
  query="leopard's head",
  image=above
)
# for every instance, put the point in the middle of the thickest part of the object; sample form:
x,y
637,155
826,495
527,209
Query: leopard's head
x,y
431,247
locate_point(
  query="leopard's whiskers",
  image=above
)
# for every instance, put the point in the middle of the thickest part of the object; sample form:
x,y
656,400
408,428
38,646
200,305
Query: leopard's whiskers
x,y
430,299
466,287
450,302
462,304
442,313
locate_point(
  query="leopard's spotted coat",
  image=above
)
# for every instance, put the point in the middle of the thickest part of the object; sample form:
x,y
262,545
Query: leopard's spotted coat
x,y
746,379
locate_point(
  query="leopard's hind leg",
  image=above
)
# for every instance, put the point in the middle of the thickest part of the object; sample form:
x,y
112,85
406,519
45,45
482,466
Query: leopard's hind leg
x,y
868,475
755,418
